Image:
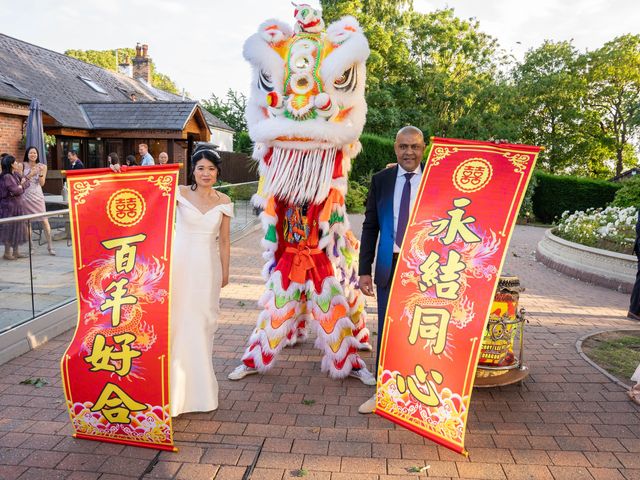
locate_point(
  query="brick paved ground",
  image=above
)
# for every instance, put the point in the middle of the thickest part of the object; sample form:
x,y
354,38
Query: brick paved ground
x,y
567,421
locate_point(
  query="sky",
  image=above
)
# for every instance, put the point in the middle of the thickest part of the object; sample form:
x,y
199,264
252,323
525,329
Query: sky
x,y
198,43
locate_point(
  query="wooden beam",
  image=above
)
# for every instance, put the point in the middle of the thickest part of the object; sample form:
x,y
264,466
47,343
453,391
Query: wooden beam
x,y
143,134
67,132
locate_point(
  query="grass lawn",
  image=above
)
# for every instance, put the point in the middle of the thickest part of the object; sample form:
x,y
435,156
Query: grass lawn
x,y
617,352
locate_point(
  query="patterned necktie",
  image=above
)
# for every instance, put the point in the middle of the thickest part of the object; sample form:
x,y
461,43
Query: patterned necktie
x,y
403,214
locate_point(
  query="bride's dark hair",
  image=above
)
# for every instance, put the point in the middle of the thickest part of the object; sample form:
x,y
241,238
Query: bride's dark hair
x,y
206,151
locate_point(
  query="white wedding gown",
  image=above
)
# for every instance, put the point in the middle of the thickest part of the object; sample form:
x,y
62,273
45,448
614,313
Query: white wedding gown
x,y
195,306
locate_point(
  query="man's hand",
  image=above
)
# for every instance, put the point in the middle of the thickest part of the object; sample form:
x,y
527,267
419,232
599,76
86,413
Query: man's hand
x,y
366,285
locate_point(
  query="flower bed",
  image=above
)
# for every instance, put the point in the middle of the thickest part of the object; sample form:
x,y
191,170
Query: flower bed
x,y
602,267
612,228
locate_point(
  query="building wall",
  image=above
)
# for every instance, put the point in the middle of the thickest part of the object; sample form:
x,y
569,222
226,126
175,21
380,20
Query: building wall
x,y
222,138
12,117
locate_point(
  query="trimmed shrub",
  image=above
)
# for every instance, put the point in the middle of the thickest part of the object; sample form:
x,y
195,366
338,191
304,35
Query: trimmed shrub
x,y
376,153
629,193
526,215
356,197
556,194
242,143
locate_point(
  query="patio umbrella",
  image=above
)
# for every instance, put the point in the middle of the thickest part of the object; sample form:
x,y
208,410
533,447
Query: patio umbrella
x,y
35,132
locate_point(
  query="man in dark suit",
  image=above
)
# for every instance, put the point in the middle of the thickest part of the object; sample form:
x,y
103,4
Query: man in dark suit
x,y
392,194
634,304
76,163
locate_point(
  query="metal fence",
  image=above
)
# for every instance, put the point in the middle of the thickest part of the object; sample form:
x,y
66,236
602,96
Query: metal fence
x,y
39,282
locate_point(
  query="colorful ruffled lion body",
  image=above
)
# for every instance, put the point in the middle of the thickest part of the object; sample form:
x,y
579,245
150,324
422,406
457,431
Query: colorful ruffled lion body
x,y
305,114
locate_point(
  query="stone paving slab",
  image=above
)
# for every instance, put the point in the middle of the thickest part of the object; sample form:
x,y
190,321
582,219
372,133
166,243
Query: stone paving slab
x,y
566,421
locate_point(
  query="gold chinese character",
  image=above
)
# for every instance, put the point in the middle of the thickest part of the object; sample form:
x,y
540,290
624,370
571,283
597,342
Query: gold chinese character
x,y
456,225
447,285
115,405
125,207
430,396
117,299
444,277
472,174
429,269
430,324
126,251
102,355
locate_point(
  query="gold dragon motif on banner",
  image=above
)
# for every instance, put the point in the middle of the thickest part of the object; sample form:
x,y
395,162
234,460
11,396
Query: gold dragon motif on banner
x,y
518,160
440,153
82,189
163,182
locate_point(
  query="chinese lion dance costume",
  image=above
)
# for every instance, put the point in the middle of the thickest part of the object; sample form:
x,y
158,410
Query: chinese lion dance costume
x,y
305,114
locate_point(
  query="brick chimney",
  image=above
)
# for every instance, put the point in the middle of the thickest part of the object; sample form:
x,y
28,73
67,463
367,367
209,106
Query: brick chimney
x,y
125,68
142,63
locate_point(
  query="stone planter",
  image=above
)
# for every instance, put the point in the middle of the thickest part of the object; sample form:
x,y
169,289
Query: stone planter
x,y
602,267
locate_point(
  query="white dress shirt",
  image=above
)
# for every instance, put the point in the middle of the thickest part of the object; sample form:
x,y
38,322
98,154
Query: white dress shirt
x,y
397,197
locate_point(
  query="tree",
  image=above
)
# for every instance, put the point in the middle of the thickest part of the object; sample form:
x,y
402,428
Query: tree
x,y
550,88
230,110
431,70
384,23
453,67
107,60
613,76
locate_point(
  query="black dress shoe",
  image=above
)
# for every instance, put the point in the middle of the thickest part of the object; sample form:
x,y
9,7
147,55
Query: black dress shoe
x,y
633,316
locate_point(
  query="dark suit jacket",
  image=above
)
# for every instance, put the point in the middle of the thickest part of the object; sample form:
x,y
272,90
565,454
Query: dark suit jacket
x,y
636,245
378,220
77,165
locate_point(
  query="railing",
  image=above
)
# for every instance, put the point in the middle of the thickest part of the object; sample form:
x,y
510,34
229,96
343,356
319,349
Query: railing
x,y
39,282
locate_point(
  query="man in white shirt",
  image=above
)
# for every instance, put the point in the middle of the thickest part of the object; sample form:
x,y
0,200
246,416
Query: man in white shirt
x,y
391,197
145,156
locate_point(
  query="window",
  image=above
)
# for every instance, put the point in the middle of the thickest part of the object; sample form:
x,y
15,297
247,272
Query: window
x,y
93,85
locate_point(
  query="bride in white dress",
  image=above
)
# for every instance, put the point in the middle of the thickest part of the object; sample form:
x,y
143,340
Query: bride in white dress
x,y
201,252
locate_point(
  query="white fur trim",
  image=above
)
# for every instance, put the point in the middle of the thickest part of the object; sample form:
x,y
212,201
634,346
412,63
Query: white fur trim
x,y
299,176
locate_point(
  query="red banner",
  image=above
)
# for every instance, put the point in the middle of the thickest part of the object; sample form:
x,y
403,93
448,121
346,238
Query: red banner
x,y
115,372
445,282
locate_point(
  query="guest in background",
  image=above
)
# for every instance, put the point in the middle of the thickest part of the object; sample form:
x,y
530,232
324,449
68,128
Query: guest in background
x,y
12,187
113,159
163,158
130,161
145,157
36,173
634,303
76,163
634,392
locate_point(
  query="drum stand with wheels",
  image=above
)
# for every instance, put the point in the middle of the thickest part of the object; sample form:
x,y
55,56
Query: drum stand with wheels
x,y
500,375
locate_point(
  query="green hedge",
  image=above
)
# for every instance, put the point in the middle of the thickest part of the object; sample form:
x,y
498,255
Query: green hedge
x,y
376,153
629,193
554,194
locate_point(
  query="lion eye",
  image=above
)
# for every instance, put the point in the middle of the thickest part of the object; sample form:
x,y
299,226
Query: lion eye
x,y
264,81
348,80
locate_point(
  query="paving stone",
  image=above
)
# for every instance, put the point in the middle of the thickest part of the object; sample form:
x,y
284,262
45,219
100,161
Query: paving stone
x,y
164,470
363,465
566,421
194,471
489,471
527,472
42,473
